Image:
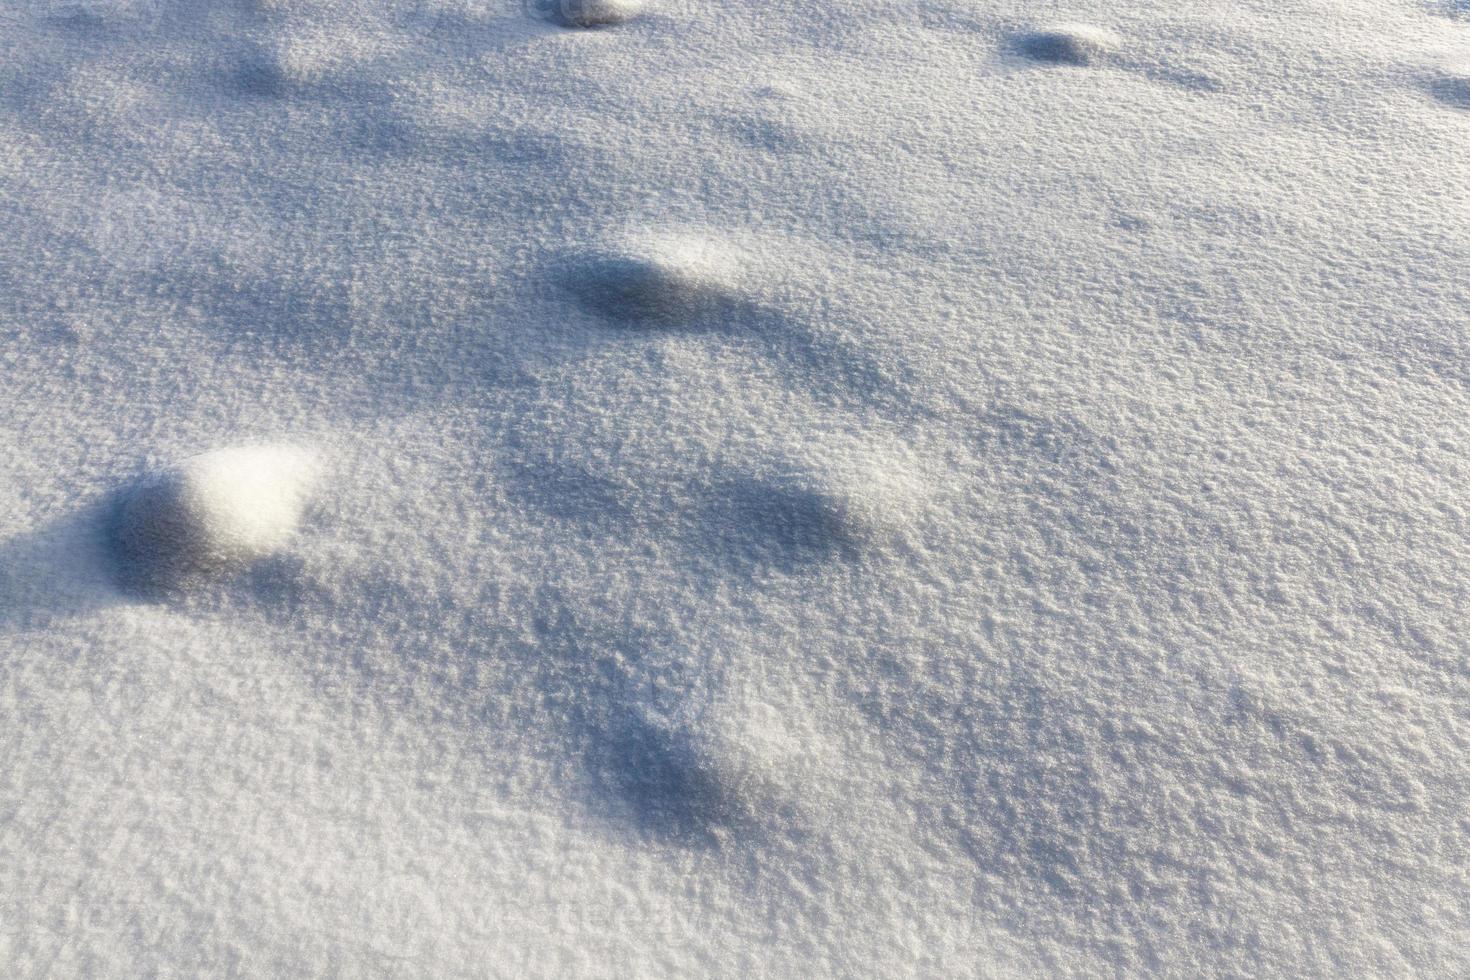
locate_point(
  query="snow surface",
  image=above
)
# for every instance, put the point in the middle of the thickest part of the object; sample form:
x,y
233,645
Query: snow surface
x,y
807,489
221,509
588,13
1069,44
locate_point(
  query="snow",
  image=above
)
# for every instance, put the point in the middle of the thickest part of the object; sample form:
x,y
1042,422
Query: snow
x,y
222,508
1453,90
677,281
590,13
1070,44
757,489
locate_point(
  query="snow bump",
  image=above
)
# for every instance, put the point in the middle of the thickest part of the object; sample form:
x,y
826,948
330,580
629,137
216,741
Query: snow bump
x,y
1452,90
734,775
212,512
592,13
661,282
812,511
260,72
1070,44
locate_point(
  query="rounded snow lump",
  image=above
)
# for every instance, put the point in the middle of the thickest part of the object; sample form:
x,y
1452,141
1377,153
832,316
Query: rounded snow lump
x,y
661,281
260,72
219,509
592,13
847,500
708,780
1069,44
1453,90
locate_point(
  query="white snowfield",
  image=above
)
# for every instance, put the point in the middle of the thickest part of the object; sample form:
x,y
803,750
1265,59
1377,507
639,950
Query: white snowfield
x,y
753,488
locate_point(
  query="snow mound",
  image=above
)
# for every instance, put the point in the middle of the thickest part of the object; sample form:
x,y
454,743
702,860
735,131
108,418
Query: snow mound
x,y
100,14
733,772
1070,44
296,63
663,281
840,506
212,512
1452,90
591,13
260,72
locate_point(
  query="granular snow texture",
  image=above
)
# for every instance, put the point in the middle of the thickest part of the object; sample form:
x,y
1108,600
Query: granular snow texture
x,y
220,509
863,488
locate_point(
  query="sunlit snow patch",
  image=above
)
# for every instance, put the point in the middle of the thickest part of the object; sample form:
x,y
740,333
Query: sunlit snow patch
x,y
212,512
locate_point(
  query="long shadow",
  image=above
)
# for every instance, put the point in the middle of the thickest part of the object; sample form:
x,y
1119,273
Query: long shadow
x,y
754,522
260,74
392,135
739,524
273,316
572,494
673,790
1452,90
616,706
627,297
59,571
1454,9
